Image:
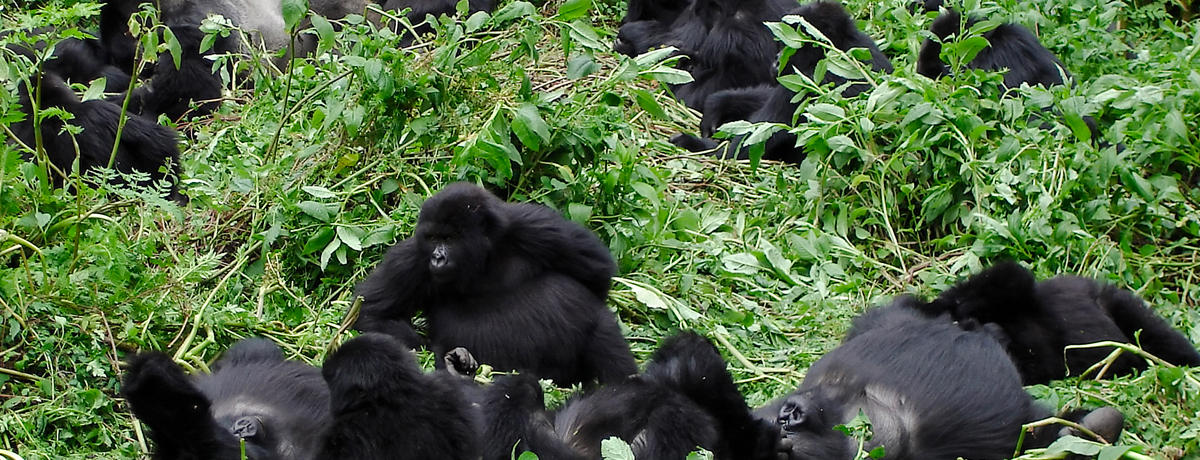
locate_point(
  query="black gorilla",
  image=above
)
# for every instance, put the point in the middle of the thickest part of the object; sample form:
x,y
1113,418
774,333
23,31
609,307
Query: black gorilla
x,y
661,11
437,8
192,88
684,400
145,146
772,102
726,42
514,283
1011,47
931,390
1040,319
385,407
279,408
74,60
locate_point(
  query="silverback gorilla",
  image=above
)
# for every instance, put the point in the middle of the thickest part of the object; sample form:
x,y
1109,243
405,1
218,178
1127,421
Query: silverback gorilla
x,y
279,408
514,283
1040,319
931,390
772,102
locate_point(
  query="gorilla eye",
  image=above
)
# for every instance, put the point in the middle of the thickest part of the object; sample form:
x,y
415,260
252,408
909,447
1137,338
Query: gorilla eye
x,y
472,207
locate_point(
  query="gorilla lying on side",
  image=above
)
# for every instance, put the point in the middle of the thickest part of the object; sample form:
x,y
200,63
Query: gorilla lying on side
x,y
684,400
145,146
516,284
1040,319
931,390
279,408
385,407
772,102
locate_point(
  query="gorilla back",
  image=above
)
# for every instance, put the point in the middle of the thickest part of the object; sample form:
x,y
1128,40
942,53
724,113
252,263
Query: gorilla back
x,y
930,389
279,407
516,284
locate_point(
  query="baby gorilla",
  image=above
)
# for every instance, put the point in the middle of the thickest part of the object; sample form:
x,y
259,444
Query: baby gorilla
x,y
685,400
515,283
772,102
385,407
1040,319
279,408
930,389
145,146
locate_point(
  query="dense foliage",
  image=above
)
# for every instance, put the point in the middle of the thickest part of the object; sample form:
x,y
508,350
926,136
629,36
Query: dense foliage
x,y
299,184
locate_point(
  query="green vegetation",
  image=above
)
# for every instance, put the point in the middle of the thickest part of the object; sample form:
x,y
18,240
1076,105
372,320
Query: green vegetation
x,y
299,185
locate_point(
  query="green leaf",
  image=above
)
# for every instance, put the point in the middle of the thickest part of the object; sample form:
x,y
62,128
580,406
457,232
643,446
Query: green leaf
x,y
1074,445
352,237
319,192
173,46
615,449
316,210
529,126
318,240
649,103
95,89
324,32
581,66
293,13
668,75
573,9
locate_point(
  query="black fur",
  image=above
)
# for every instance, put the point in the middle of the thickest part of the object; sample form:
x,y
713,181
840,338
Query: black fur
x,y
191,89
683,401
772,102
515,283
1012,47
726,42
74,60
1040,319
421,8
930,389
662,11
145,146
280,408
385,407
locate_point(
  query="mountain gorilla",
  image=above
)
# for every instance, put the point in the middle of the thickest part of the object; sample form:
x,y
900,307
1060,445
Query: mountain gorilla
x,y
145,146
514,283
684,400
436,8
279,408
662,11
726,42
1011,47
931,390
773,102
193,88
1040,319
385,407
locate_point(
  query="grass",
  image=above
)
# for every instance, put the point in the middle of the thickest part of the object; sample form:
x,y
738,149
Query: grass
x,y
299,185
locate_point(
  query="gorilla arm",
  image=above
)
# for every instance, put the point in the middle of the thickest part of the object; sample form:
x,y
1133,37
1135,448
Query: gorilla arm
x,y
393,293
561,245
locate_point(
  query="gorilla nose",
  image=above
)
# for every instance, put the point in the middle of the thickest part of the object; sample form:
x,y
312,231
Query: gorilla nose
x,y
438,259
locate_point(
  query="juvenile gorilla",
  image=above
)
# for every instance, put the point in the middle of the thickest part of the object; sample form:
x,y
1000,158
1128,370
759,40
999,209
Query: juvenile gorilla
x,y
930,389
772,102
385,407
1040,319
145,146
684,400
514,283
192,88
279,407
